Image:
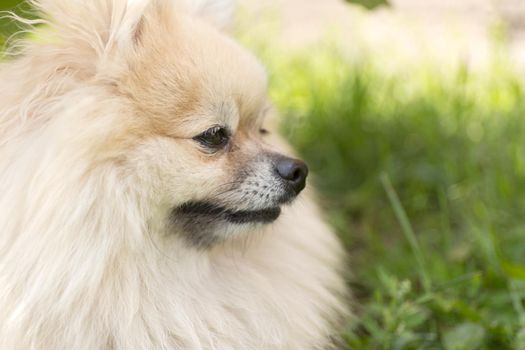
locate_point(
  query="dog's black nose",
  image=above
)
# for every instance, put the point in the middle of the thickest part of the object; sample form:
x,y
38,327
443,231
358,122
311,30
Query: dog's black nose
x,y
293,171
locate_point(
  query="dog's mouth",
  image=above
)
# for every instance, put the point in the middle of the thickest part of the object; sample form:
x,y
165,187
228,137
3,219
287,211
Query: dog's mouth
x,y
210,211
203,224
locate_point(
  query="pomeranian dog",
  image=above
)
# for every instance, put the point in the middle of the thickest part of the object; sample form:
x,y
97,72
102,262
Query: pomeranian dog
x,y
145,202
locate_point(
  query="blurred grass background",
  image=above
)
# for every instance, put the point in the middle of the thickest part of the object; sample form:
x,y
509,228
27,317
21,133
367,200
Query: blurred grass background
x,y
7,26
421,170
420,166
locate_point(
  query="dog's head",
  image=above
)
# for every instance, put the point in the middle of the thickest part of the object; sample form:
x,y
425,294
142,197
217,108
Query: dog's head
x,y
204,98
182,108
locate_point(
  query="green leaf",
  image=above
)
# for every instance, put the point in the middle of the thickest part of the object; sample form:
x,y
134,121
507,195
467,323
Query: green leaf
x,y
370,4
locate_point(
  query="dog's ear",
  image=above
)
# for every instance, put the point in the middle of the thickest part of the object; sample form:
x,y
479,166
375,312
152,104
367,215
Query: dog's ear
x,y
89,32
217,12
106,21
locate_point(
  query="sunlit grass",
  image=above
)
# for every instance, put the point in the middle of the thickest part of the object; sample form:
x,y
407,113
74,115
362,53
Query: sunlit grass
x,y
422,172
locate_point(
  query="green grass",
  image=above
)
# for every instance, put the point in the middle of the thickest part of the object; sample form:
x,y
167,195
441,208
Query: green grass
x,y
421,170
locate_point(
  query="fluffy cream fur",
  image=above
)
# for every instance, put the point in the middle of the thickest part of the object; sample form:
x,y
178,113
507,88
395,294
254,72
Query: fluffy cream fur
x,y
97,112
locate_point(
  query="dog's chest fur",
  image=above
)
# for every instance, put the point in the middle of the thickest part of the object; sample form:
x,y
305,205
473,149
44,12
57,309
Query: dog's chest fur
x,y
280,290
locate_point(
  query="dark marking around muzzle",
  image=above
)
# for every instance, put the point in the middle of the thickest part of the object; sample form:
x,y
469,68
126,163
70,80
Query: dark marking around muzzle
x,y
202,222
215,212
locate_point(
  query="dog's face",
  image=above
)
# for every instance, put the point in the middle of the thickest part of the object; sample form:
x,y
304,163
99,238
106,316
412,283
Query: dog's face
x,y
201,146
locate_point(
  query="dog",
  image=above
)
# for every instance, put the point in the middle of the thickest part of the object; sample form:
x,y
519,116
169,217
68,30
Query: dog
x,y
146,202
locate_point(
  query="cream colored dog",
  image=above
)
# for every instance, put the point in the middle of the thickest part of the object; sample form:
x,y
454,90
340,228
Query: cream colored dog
x,y
141,195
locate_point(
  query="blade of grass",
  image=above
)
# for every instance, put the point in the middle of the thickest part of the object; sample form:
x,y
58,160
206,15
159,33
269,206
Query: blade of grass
x,y
444,218
407,229
517,302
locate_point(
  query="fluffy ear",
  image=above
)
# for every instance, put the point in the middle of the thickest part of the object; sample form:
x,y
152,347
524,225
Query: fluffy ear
x,y
217,12
90,31
105,24
89,34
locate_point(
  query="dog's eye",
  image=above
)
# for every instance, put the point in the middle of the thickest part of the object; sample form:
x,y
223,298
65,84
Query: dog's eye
x,y
216,137
263,131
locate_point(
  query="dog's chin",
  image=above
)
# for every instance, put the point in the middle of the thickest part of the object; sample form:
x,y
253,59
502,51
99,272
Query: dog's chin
x,y
204,224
